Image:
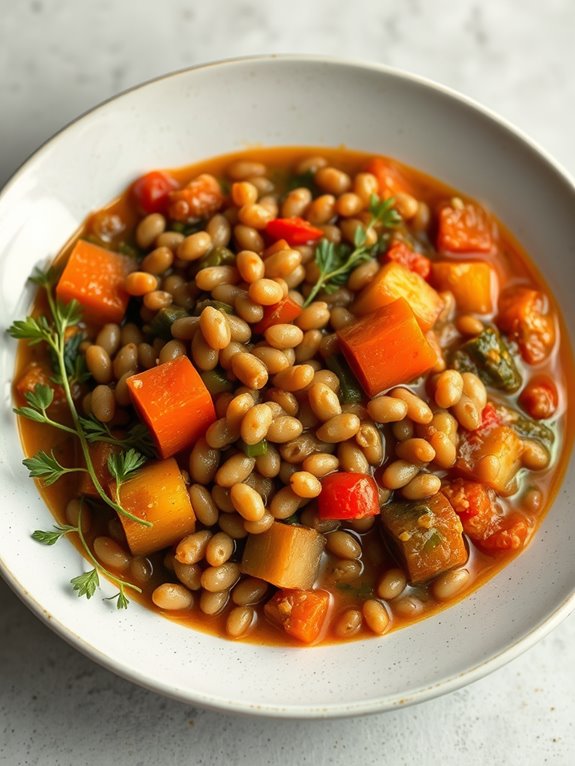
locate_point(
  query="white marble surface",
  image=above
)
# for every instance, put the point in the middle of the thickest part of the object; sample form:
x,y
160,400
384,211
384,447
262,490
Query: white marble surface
x,y
60,57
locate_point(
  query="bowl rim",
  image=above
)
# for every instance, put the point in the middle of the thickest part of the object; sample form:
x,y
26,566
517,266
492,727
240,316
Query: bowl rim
x,y
445,686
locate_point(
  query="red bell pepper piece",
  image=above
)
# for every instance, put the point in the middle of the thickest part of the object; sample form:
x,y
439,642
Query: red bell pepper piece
x,y
347,495
401,253
512,536
465,229
301,613
477,507
294,230
280,313
525,316
151,191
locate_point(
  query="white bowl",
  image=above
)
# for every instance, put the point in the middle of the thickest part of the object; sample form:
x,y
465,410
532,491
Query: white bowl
x,y
219,108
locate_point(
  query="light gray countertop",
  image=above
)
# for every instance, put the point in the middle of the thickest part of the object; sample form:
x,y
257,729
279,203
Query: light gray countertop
x,y
60,57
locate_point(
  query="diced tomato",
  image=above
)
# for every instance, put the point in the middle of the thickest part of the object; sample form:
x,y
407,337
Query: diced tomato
x,y
524,316
294,230
346,495
490,417
151,191
37,374
301,613
283,312
390,179
401,253
464,229
476,505
539,398
511,537
201,198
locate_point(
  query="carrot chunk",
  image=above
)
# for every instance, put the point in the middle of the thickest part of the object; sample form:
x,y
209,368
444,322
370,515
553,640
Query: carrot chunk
x,y
94,277
283,312
394,281
156,493
386,348
464,229
301,613
473,284
174,403
511,537
491,456
390,179
524,315
99,453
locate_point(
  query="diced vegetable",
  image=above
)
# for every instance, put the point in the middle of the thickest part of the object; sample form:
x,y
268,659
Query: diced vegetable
x,y
156,493
283,312
511,537
225,308
489,358
349,389
301,613
286,556
386,348
295,231
389,177
346,495
394,281
95,277
473,284
427,536
539,398
464,229
476,505
400,253
151,191
201,198
525,317
99,453
525,427
174,403
255,450
36,374
492,456
161,324
216,382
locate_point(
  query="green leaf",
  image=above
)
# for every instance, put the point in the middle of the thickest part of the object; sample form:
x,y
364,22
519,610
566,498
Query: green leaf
x,y
28,412
33,329
45,467
122,602
86,583
383,211
122,465
41,397
50,537
359,237
44,278
67,314
138,436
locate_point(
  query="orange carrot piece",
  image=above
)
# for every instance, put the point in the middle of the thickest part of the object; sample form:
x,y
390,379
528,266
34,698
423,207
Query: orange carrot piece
x,y
525,316
37,374
174,403
99,452
301,613
390,178
387,348
156,493
283,312
394,281
464,229
473,284
511,537
94,277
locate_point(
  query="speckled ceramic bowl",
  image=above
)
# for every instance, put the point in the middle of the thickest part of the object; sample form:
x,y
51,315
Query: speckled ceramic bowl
x,y
220,108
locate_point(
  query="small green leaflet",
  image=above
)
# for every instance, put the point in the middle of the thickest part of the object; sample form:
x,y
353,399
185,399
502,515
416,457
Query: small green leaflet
x,y
86,583
121,601
46,467
122,465
43,278
33,329
50,537
138,436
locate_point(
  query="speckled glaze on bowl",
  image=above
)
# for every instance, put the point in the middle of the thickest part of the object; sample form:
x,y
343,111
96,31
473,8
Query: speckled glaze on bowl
x,y
219,108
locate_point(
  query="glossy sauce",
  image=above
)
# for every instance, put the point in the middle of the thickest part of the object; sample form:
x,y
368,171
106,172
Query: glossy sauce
x,y
513,267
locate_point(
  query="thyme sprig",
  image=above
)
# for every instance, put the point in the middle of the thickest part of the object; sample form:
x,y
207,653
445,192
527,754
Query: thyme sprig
x,y
336,262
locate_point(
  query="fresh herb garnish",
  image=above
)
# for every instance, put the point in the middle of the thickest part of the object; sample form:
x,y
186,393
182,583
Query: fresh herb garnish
x,y
86,583
138,436
55,332
336,262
